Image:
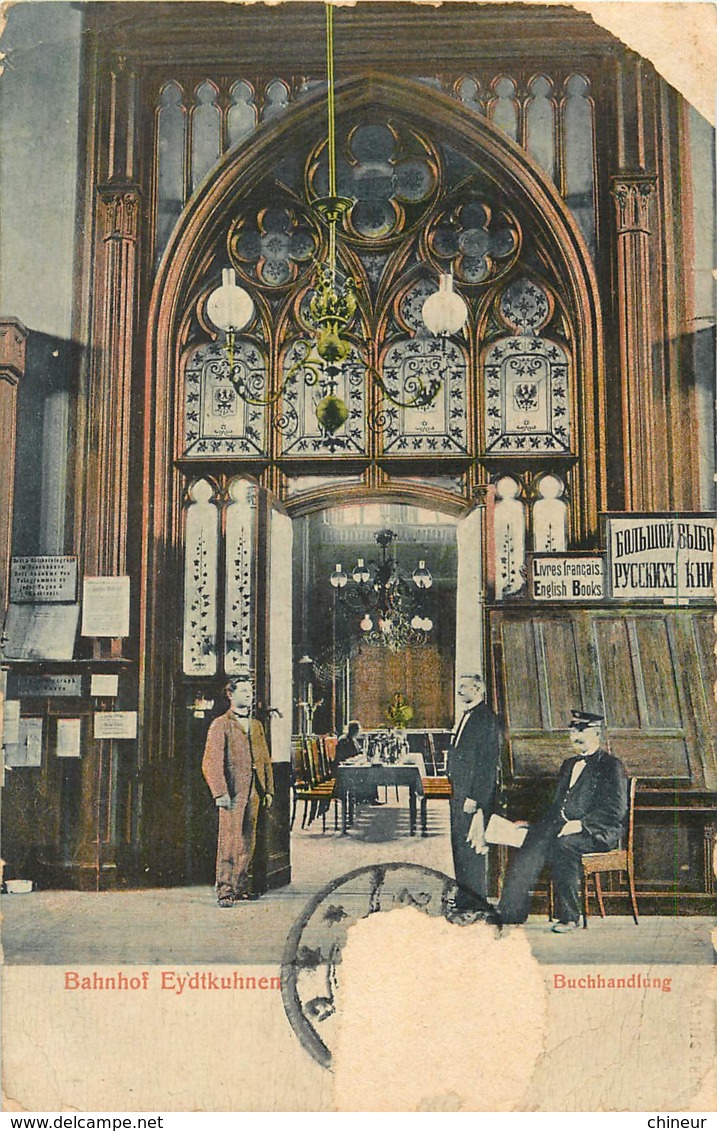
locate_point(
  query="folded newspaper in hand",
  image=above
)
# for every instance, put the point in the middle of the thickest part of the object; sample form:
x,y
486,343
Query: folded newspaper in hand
x,y
501,831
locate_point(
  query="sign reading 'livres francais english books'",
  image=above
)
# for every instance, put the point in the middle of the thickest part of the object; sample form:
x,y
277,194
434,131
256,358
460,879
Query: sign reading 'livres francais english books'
x,y
663,557
571,576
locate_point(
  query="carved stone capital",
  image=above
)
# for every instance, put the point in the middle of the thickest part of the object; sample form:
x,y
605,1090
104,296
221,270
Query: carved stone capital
x,y
119,209
13,340
632,202
483,493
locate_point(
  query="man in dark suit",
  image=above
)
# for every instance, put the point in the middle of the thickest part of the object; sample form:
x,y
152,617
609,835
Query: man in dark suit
x,y
587,815
347,746
473,769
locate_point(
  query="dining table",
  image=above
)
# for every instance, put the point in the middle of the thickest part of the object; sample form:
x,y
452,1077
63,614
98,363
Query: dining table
x,y
359,777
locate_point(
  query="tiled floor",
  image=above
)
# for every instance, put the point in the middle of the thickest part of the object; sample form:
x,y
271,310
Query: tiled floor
x,y
184,926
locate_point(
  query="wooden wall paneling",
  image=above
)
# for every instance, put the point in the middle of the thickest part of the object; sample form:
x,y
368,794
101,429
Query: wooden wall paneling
x,y
616,673
588,662
668,858
652,757
521,677
31,810
561,662
651,644
703,633
542,684
421,673
197,36
694,644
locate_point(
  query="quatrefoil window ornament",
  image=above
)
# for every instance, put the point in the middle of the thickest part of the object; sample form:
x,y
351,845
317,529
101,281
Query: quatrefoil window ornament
x,y
479,245
383,173
273,248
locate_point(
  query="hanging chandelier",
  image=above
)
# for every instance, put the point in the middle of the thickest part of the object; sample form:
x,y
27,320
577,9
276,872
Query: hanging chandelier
x,y
332,308
392,609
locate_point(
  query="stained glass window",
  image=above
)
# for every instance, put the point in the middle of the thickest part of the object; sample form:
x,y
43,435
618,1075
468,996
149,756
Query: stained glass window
x,y
504,107
171,124
527,404
579,155
205,132
218,421
241,115
540,132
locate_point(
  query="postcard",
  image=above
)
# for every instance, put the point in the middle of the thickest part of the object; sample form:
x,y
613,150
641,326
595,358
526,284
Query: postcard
x,y
358,389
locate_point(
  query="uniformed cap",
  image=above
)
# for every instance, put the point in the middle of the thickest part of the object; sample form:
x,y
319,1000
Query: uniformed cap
x,y
581,720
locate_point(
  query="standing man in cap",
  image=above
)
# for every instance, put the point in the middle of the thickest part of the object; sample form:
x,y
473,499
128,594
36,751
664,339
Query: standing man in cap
x,y
473,770
237,769
586,815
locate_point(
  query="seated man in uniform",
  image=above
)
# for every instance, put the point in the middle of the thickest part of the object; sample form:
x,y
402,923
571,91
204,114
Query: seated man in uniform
x,y
587,815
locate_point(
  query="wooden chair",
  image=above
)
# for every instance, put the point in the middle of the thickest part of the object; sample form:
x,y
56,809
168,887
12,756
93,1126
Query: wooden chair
x,y
311,783
434,789
616,860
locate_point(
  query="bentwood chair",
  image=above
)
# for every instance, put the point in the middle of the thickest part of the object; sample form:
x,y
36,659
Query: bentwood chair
x,y
616,860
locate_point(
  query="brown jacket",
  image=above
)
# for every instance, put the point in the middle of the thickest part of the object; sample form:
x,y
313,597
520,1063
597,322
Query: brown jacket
x,y
230,755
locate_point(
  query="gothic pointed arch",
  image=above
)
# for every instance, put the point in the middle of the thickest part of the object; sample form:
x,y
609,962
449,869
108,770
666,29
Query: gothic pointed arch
x,y
516,192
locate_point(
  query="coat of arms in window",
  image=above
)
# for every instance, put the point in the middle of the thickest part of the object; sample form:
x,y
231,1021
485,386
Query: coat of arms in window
x,y
224,401
525,396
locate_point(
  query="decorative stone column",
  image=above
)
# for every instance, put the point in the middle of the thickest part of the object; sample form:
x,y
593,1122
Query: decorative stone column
x,y
632,194
13,341
109,421
106,491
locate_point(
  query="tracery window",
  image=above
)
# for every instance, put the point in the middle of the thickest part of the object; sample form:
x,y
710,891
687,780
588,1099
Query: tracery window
x,y
579,155
551,115
527,404
171,124
540,124
206,130
416,215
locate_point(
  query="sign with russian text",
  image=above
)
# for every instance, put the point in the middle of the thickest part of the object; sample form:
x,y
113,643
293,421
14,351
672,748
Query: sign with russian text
x,y
663,557
567,577
40,580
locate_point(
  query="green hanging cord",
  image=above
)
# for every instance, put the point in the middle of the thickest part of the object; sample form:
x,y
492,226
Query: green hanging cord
x,y
330,91
331,135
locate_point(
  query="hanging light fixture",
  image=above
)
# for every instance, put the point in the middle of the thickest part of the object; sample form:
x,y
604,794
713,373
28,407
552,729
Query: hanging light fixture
x,y
392,608
331,309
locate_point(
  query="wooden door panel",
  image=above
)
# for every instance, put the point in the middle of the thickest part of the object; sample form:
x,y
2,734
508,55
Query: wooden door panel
x,y
616,673
561,668
521,677
658,673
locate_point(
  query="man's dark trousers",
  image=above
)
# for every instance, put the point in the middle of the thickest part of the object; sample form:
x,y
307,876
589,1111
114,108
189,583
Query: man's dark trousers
x,y
471,868
543,846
